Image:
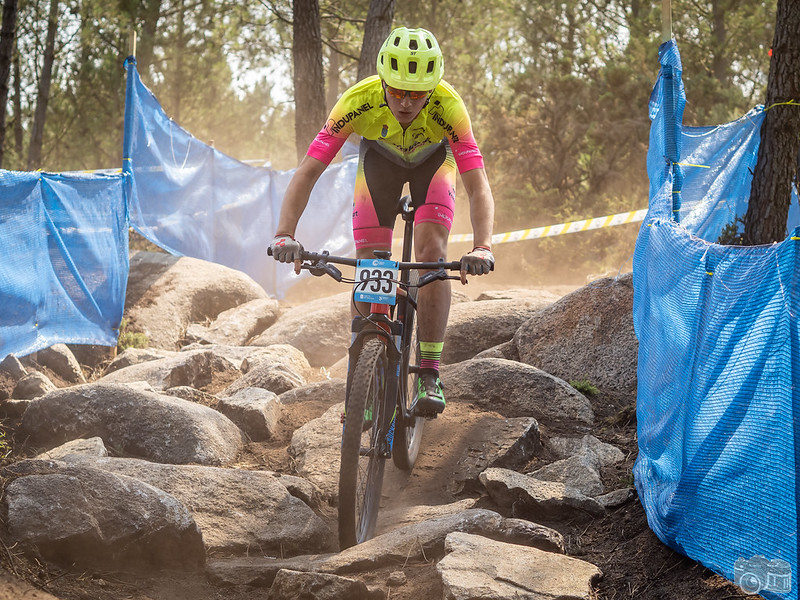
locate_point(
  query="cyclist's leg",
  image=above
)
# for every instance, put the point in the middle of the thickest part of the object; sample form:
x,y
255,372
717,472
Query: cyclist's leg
x,y
433,221
379,184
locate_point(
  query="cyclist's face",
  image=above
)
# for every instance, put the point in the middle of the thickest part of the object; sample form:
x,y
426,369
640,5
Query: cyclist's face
x,y
405,105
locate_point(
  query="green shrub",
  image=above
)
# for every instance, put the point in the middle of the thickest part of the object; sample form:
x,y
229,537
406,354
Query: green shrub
x,y
584,386
130,339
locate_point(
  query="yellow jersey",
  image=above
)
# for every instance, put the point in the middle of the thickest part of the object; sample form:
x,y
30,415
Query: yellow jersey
x,y
362,110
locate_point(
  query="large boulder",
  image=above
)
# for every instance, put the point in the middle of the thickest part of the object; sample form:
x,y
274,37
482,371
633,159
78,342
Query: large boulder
x,y
195,368
319,328
61,361
514,389
236,325
476,326
277,368
165,294
236,509
587,335
477,567
536,499
78,515
134,422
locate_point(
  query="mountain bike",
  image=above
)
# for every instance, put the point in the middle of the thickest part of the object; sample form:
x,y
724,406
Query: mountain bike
x,y
379,422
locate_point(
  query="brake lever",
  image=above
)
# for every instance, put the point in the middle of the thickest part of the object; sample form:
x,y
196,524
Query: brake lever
x,y
319,269
434,275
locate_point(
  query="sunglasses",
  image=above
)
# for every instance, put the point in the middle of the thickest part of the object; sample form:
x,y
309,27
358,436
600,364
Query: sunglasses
x,y
400,94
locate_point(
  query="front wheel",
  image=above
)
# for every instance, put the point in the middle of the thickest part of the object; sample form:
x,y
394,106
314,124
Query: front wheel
x,y
363,461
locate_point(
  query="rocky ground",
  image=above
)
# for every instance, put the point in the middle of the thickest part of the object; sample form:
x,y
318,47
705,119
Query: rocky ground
x,y
634,563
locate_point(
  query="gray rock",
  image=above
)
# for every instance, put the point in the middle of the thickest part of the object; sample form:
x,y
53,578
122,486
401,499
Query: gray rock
x,y
275,378
284,355
617,498
587,335
141,424
564,447
515,390
316,447
135,356
236,325
237,510
535,499
194,369
13,408
256,411
476,567
33,385
165,294
191,395
476,326
13,367
580,472
76,515
420,541
319,328
323,393
426,540
293,585
505,350
423,540
60,359
91,447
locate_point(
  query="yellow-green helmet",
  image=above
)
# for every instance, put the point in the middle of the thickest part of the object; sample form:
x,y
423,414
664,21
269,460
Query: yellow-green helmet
x,y
410,59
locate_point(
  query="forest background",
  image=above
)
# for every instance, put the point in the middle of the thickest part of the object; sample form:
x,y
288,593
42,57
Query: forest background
x,y
557,92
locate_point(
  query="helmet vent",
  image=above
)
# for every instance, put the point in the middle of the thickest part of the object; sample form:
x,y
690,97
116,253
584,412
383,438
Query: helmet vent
x,y
430,45
412,45
412,67
394,64
397,41
431,66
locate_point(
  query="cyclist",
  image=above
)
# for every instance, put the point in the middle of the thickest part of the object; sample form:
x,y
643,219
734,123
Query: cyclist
x,y
414,129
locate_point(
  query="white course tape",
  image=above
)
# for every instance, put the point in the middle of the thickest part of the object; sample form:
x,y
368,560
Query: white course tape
x,y
560,229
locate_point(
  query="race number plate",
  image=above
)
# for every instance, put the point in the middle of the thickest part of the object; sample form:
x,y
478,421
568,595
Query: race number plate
x,y
375,281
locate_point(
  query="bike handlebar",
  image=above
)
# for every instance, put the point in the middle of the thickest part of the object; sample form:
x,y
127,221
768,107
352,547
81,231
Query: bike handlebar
x,y
319,263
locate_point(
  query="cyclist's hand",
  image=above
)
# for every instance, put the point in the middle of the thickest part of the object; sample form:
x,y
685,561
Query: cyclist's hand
x,y
286,249
478,262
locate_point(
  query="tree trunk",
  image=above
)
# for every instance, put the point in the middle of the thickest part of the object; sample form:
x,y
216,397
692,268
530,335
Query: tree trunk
x,y
376,30
309,80
720,61
17,109
43,97
332,87
6,52
770,194
180,48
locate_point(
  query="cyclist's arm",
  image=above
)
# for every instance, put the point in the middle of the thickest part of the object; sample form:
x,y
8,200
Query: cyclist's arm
x,y
298,193
481,205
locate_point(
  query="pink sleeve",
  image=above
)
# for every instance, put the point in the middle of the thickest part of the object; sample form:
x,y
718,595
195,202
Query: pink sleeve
x,y
467,154
325,146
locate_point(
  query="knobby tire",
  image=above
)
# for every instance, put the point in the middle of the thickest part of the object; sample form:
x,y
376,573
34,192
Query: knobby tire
x,y
360,475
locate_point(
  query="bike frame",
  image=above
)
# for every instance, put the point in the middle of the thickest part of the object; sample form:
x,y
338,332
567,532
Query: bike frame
x,y
395,335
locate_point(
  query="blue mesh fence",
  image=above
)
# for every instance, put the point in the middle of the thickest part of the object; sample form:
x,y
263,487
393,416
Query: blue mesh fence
x,y
717,402
64,260
192,199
